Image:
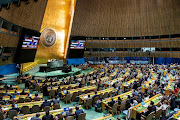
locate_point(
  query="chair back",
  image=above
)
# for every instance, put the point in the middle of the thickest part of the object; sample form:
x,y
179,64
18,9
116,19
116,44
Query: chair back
x,y
150,116
82,116
11,102
37,88
100,88
21,100
69,87
60,116
1,116
68,97
79,92
46,108
110,94
123,105
70,118
86,91
105,95
74,95
89,102
101,95
62,83
35,109
83,81
119,92
37,99
114,107
12,113
56,106
52,93
27,100
25,110
158,113
99,105
95,99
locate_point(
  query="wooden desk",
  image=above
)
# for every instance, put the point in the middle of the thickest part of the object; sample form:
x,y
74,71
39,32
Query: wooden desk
x,y
103,79
49,83
30,104
176,116
104,118
170,87
13,91
122,96
113,74
139,108
82,97
13,86
80,89
53,112
106,84
146,85
63,87
126,84
171,78
21,96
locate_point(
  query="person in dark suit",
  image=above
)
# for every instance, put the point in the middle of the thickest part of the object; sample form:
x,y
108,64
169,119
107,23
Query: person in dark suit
x,y
70,112
55,100
45,91
47,116
119,100
128,102
14,108
95,95
111,103
78,111
139,99
46,103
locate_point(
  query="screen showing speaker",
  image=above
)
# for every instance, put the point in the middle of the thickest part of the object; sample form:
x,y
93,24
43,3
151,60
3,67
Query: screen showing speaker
x,y
27,47
30,42
77,44
76,49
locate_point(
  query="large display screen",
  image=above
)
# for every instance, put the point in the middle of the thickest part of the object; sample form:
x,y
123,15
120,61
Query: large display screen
x,y
77,44
27,47
30,42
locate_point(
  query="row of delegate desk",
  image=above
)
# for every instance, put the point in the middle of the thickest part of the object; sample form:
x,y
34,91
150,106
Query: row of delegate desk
x,y
53,112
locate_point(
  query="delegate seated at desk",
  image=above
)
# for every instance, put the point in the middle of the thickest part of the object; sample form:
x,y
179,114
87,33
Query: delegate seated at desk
x,y
78,111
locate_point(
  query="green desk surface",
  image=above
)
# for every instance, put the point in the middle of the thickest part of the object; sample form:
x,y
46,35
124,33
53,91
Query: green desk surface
x,y
141,108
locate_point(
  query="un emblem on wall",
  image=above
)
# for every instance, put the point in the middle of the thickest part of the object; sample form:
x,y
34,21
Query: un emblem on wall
x,y
48,37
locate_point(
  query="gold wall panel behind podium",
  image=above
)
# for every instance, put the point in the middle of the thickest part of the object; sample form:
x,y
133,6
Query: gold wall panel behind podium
x,y
57,16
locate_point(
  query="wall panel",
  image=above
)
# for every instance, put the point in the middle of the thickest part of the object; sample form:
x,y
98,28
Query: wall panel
x,y
27,15
116,18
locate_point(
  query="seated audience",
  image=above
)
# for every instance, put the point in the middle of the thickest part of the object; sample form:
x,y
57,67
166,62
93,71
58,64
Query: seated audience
x,y
119,100
78,111
37,117
47,116
46,103
56,100
23,92
7,93
36,95
14,108
70,112
95,95
111,103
